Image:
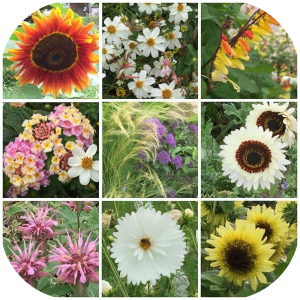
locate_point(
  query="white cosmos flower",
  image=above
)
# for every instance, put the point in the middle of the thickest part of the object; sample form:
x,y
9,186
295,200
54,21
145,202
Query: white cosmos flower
x,y
172,41
179,12
148,245
253,157
131,47
151,42
158,65
277,118
107,51
106,287
82,165
115,30
148,7
166,91
141,86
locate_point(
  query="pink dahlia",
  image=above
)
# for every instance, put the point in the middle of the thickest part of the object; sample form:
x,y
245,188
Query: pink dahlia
x,y
78,261
38,227
27,264
73,205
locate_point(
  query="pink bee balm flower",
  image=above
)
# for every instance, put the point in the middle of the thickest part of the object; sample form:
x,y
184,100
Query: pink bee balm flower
x,y
77,262
27,264
73,205
38,227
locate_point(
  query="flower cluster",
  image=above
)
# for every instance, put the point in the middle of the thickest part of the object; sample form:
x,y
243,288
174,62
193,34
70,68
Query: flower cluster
x,y
248,248
38,227
167,157
77,261
54,136
73,205
125,41
254,156
27,263
230,54
24,164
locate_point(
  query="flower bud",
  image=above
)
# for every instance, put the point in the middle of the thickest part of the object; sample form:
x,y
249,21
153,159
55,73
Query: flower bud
x,y
106,287
189,213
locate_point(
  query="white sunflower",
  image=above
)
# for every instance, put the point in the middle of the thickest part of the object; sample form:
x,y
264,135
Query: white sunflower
x,y
277,118
253,157
148,245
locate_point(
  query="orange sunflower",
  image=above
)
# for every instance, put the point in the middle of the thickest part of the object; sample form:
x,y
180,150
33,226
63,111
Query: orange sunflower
x,y
58,52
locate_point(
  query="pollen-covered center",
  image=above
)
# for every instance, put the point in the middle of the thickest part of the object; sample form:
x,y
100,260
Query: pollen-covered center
x,y
273,121
104,51
180,7
167,94
132,45
111,29
145,243
171,36
267,227
150,42
55,52
253,156
138,84
86,163
239,257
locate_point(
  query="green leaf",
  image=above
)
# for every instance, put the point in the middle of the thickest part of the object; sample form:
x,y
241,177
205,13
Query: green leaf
x,y
93,290
243,81
6,184
66,212
27,91
15,209
261,68
212,276
7,245
227,206
58,290
203,89
16,117
43,283
225,91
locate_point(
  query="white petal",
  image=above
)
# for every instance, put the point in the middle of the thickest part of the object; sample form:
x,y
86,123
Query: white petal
x,y
78,152
85,177
94,175
75,171
74,161
91,151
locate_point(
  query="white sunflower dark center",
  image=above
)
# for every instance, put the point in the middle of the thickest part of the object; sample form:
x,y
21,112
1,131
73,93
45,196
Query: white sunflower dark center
x,y
239,257
86,163
55,52
273,121
253,156
267,227
145,243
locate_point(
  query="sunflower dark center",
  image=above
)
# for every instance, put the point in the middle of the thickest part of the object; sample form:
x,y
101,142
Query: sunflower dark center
x,y
55,52
273,121
253,156
268,229
239,257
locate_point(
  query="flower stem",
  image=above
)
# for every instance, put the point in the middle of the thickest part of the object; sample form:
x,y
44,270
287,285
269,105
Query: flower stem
x,y
114,270
213,217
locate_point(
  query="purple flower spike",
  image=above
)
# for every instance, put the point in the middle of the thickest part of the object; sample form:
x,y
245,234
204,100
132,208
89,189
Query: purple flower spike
x,y
164,157
177,160
170,139
193,128
171,194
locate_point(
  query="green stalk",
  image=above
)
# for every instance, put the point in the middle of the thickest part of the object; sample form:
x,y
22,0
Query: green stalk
x,y
80,205
193,236
213,217
114,270
116,208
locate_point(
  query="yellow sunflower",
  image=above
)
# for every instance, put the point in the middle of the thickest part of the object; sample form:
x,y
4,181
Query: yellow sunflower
x,y
276,229
220,216
289,212
241,253
57,51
